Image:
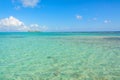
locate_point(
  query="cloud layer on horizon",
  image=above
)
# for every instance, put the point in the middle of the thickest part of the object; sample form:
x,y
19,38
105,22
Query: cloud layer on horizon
x,y
13,24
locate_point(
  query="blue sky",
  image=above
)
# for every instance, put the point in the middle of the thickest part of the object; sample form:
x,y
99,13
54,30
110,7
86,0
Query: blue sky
x,y
60,15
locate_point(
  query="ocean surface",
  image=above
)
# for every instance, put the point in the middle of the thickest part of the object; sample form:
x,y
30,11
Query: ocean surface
x,y
60,56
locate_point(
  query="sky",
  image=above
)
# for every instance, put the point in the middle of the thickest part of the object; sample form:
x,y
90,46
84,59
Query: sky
x,y
59,15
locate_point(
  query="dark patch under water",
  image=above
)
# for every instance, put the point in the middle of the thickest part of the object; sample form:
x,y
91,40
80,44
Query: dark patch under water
x,y
112,38
12,37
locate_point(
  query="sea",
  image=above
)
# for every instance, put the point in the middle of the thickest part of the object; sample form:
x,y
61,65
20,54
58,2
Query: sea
x,y
60,55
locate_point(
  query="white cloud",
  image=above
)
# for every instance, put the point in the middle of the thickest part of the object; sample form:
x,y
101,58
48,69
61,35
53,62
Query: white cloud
x,y
107,21
79,17
13,24
25,3
29,3
36,27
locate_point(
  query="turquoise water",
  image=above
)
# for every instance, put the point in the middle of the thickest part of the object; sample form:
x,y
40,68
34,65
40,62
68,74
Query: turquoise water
x,y
60,56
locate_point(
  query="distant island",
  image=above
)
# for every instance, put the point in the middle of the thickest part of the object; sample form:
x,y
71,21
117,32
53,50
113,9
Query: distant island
x,y
34,31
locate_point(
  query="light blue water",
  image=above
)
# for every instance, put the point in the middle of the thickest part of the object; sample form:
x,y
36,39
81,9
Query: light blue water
x,y
60,56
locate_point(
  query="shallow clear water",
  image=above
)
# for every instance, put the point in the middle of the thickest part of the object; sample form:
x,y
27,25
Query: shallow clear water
x,y
60,56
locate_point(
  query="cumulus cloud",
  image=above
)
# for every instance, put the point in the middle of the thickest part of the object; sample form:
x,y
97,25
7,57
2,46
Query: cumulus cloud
x,y
78,17
13,24
107,21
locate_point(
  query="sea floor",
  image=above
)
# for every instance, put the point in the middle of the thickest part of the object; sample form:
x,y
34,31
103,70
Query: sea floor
x,y
60,58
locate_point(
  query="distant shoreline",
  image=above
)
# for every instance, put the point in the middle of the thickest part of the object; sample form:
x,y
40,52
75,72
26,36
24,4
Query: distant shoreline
x,y
58,31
